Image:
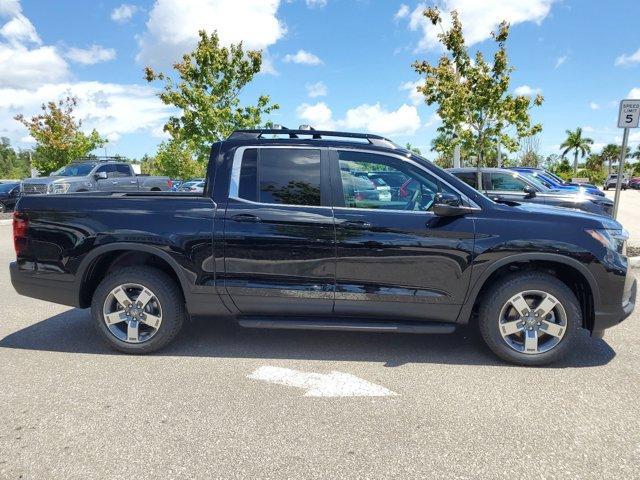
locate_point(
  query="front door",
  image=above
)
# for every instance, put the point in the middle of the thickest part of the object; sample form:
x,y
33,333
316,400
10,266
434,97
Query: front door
x,y
279,232
395,258
111,183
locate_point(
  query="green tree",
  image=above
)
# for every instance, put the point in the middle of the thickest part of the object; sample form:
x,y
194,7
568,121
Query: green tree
x,y
636,154
413,149
579,144
58,136
611,154
177,159
472,94
206,94
563,169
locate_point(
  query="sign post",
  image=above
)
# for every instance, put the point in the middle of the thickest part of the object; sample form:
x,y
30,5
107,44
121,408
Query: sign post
x,y
628,117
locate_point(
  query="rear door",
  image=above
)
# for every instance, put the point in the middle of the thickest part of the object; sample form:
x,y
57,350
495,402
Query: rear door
x,y
279,238
395,258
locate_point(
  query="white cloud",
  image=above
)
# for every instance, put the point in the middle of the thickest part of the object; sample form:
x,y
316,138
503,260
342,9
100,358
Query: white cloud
x,y
20,30
123,13
319,116
173,25
633,93
402,12
478,18
113,109
24,62
594,106
433,119
318,89
560,61
316,3
302,57
411,87
588,129
92,55
28,68
365,117
628,60
10,8
527,91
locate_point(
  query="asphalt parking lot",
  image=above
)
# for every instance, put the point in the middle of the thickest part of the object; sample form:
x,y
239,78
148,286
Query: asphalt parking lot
x,y
73,409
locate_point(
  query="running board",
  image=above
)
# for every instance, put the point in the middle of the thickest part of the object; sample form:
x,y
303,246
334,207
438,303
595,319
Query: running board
x,y
349,325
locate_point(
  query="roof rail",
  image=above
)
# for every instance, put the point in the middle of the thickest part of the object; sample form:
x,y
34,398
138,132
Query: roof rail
x,y
258,133
98,159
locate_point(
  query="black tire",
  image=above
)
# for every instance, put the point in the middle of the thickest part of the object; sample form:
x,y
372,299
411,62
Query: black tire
x,y
168,295
500,293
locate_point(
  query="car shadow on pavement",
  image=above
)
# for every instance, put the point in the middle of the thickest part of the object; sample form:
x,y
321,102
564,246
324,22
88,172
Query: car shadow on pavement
x,y
73,332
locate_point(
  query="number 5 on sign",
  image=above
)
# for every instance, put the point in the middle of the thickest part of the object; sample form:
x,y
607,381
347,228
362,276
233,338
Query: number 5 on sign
x,y
629,114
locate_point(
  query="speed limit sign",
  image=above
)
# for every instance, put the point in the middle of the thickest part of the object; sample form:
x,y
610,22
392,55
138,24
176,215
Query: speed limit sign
x,y
629,114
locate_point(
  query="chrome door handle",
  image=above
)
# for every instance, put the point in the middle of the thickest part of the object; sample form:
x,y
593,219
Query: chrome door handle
x,y
133,181
114,182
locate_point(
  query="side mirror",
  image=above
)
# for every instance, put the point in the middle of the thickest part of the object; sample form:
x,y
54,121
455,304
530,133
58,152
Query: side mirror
x,y
449,205
100,176
529,191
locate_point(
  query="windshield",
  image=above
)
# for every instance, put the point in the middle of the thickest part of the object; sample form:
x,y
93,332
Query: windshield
x,y
74,170
7,187
533,178
554,177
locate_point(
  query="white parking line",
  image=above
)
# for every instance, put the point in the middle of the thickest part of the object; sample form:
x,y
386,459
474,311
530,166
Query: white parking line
x,y
334,384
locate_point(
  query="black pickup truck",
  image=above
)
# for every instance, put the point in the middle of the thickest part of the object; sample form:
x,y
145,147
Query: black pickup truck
x,y
301,231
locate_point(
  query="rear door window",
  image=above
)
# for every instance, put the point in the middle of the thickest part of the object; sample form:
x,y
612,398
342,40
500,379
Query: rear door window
x,y
506,182
288,176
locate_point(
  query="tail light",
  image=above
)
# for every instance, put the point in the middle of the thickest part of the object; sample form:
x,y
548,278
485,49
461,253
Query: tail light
x,y
20,228
170,183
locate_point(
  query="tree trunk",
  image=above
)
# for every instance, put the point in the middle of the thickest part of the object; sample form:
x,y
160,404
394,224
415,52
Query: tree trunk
x,y
575,163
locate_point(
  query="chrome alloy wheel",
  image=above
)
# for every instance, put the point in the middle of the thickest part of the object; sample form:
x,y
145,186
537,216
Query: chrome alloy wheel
x,y
532,322
132,313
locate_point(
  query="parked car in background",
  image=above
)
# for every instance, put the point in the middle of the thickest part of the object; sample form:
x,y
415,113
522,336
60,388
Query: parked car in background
x,y
93,175
504,185
278,241
612,182
634,183
384,191
176,185
554,182
191,185
9,195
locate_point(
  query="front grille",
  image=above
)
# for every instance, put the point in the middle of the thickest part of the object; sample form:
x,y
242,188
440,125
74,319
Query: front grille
x,y
33,188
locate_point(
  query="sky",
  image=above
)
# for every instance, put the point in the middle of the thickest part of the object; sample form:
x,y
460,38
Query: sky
x,y
338,64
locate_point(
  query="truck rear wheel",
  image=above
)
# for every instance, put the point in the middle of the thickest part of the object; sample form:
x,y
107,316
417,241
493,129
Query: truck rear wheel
x,y
138,309
530,319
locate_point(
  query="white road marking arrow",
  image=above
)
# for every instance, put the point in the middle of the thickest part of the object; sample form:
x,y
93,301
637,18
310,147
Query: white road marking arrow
x,y
334,384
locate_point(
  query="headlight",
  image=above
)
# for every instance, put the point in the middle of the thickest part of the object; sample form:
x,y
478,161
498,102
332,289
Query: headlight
x,y
58,187
615,240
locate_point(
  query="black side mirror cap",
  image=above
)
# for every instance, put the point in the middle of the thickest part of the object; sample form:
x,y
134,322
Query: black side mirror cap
x,y
449,205
530,191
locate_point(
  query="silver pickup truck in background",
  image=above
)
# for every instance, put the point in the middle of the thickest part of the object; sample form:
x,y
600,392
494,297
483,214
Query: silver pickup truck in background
x,y
93,175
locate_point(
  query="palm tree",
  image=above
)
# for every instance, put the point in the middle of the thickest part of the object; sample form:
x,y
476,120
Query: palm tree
x,y
579,144
636,154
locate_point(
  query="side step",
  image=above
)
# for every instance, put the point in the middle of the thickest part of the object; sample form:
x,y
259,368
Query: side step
x,y
346,325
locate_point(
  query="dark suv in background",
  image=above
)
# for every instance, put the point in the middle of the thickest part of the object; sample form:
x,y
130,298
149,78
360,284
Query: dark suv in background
x,y
503,185
280,238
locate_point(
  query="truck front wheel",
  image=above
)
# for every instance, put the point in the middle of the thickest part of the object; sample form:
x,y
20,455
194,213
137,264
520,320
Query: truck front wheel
x,y
530,318
138,309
